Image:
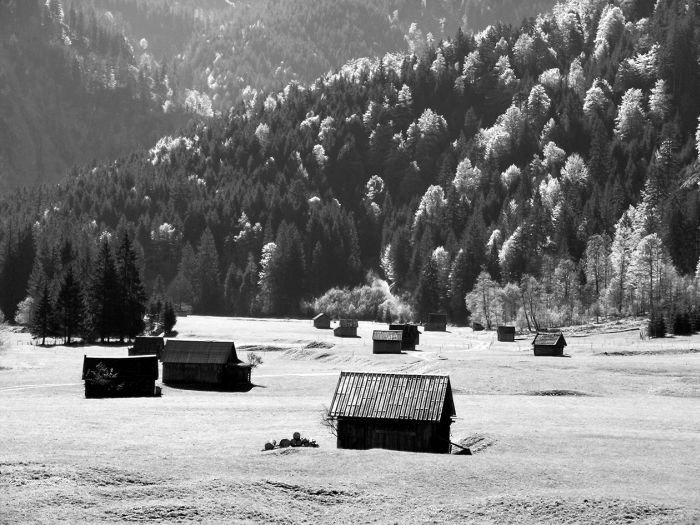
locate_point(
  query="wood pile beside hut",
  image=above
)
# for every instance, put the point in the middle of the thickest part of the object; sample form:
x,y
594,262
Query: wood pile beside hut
x,y
322,321
212,364
506,334
133,376
148,345
436,323
410,335
393,411
549,344
386,341
346,328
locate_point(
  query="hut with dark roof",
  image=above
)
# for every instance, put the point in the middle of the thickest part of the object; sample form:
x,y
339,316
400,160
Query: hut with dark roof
x,y
386,341
393,411
322,321
133,376
436,323
346,328
506,334
147,345
213,364
549,344
410,335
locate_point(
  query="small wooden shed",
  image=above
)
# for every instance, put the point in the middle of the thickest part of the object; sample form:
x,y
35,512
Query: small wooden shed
x,y
205,363
322,321
506,334
148,345
120,376
436,323
346,328
549,343
386,341
393,411
410,335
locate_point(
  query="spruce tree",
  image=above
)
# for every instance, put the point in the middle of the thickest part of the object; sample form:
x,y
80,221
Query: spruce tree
x,y
208,293
41,322
103,297
69,306
131,295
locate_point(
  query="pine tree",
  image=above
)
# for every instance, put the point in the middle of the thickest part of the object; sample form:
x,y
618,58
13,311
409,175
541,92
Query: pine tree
x,y
70,306
41,322
208,291
104,297
427,293
132,297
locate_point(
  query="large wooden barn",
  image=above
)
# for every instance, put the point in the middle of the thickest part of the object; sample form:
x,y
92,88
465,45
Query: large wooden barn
x,y
346,328
148,345
506,334
410,335
120,376
322,321
550,344
212,364
386,341
394,411
436,323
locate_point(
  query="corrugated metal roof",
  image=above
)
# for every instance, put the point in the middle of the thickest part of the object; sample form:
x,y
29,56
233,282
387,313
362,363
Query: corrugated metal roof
x,y
348,323
200,352
387,335
392,396
548,339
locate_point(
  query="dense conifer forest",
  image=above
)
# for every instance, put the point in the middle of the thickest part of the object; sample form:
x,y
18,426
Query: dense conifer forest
x,y
546,174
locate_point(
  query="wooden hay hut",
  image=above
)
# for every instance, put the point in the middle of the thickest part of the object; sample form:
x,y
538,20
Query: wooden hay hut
x,y
506,334
393,411
148,345
322,321
205,363
410,335
133,376
549,344
346,328
436,323
386,341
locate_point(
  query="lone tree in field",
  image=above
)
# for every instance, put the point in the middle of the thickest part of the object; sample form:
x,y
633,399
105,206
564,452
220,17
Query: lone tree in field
x,y
483,301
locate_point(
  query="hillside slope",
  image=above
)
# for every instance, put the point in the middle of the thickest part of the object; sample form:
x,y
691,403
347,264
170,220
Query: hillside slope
x,y
70,94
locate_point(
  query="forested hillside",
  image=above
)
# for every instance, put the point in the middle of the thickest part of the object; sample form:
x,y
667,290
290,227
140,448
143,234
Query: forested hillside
x,y
547,173
71,90
219,48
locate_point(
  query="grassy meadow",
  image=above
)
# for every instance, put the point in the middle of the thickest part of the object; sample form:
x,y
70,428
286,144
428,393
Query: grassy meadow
x,y
610,434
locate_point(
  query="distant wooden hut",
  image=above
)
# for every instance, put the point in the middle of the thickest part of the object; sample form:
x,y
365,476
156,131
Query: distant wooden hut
x,y
549,344
120,376
410,335
322,321
204,363
147,345
436,323
393,411
506,334
386,341
346,328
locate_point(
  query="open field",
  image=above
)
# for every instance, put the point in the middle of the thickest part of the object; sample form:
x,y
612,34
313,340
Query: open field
x,y
593,438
